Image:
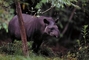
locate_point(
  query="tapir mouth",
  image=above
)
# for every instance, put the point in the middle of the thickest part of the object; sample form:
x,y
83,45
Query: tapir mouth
x,y
50,35
56,36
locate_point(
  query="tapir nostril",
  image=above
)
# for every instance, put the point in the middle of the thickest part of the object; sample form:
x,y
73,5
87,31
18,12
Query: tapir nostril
x,y
54,36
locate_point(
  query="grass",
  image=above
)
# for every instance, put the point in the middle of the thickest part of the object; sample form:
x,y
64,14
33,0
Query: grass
x,y
34,57
18,55
14,52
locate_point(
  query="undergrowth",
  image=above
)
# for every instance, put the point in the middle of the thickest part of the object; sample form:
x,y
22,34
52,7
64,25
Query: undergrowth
x,y
14,51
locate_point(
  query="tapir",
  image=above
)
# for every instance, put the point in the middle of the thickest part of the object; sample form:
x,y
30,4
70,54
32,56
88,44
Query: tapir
x,y
37,29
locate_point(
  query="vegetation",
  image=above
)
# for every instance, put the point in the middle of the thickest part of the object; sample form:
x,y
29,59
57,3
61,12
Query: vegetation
x,y
6,13
73,24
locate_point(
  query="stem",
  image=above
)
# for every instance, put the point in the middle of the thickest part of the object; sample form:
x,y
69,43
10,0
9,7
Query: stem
x,y
47,10
70,18
22,29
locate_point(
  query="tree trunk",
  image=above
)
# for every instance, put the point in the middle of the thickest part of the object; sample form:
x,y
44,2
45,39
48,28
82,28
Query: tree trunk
x,y
22,29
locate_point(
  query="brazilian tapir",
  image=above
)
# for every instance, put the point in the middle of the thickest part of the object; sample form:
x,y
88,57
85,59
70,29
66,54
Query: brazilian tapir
x,y
37,28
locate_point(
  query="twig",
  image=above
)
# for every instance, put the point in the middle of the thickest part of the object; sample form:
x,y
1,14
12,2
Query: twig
x,y
47,10
70,18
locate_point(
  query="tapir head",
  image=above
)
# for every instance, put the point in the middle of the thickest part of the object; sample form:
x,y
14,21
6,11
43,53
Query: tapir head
x,y
51,28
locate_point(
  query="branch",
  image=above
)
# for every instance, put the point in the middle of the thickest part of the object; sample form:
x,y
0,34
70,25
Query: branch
x,y
70,18
47,10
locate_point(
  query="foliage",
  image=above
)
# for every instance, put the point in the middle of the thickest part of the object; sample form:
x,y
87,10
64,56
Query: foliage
x,y
83,48
84,33
58,3
39,5
14,52
6,13
61,3
13,57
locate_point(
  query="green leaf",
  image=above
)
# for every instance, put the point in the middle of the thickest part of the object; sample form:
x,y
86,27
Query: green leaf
x,y
1,11
75,6
40,4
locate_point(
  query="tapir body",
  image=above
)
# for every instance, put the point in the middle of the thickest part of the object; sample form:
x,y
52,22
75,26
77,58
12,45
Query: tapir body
x,y
37,28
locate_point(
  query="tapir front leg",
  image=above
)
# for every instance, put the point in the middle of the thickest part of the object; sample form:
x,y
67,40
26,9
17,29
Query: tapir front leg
x,y
36,45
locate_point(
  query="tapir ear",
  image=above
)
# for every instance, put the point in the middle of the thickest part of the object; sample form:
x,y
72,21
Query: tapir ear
x,y
46,21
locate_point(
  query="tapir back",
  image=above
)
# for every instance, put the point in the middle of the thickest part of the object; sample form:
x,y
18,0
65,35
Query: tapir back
x,y
33,26
30,23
